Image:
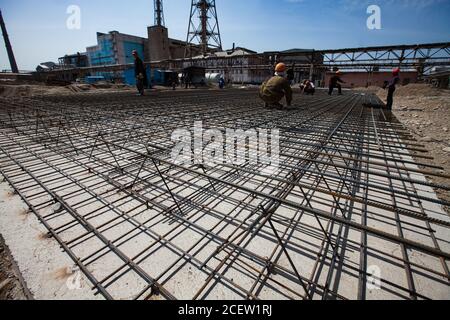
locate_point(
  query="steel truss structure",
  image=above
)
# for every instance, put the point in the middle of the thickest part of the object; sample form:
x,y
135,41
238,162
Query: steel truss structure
x,y
159,13
348,198
203,28
422,57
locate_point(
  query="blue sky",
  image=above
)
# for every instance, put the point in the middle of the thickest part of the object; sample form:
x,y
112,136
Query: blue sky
x,y
38,29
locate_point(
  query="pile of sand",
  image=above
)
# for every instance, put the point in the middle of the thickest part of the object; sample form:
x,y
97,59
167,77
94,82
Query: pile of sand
x,y
370,89
30,90
79,87
11,91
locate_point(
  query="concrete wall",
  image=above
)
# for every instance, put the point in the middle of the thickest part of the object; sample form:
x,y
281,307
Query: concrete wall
x,y
158,43
161,47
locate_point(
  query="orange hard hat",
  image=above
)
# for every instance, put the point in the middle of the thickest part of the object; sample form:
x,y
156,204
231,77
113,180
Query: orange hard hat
x,y
281,67
396,71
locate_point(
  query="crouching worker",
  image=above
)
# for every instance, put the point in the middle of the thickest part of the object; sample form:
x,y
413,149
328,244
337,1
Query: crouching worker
x,y
276,88
308,87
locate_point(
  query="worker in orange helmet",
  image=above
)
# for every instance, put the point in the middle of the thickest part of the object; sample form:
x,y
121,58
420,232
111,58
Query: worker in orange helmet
x,y
392,87
334,83
276,88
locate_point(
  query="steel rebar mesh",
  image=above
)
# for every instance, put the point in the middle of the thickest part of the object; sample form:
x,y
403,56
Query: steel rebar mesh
x,y
348,195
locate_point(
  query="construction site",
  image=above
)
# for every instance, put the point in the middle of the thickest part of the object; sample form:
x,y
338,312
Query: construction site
x,y
355,206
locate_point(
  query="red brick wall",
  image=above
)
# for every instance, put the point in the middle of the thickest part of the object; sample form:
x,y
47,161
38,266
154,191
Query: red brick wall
x,y
361,79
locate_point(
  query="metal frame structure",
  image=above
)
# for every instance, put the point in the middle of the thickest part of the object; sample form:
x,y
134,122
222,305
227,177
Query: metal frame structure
x,y
96,170
206,31
408,56
422,57
159,13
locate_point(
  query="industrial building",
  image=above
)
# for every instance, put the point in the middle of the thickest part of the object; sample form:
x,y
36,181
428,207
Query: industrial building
x,y
115,48
238,65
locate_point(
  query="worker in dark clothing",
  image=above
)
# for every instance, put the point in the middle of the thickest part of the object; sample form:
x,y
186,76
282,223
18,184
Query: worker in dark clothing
x,y
141,75
308,87
187,81
221,83
276,88
290,76
391,88
335,83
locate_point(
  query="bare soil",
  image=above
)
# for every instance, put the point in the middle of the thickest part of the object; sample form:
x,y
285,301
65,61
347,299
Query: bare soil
x,y
426,112
11,287
32,90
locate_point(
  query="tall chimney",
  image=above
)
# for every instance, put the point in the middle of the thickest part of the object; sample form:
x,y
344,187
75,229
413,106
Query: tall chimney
x,y
12,60
159,13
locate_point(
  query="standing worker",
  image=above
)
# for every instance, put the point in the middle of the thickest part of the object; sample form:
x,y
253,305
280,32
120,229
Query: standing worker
x,y
290,76
391,88
221,82
141,75
273,90
334,83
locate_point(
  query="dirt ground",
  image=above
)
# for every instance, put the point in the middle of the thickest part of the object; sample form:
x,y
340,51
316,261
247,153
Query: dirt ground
x,y
11,287
32,90
426,112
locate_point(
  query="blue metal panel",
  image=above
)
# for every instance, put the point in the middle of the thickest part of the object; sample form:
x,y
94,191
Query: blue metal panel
x,y
158,77
104,55
94,79
129,76
129,46
149,75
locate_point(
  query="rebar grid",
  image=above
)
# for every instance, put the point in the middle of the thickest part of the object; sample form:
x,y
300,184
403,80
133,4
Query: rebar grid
x,y
348,195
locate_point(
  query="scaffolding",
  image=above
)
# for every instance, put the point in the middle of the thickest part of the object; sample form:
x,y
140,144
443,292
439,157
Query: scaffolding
x,y
96,170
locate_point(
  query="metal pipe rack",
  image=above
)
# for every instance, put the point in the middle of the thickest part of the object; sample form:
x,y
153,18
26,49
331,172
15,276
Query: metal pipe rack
x,y
349,195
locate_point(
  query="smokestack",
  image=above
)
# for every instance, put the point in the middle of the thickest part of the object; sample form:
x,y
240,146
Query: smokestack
x,y
12,60
159,13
